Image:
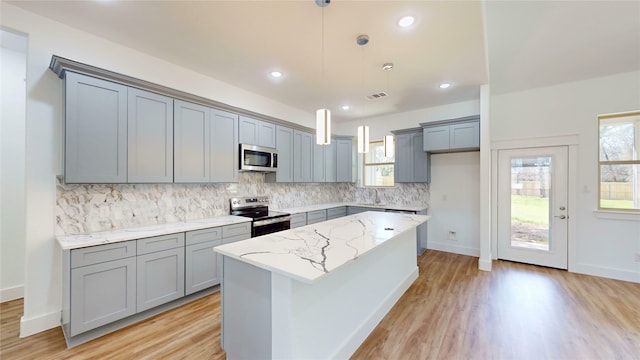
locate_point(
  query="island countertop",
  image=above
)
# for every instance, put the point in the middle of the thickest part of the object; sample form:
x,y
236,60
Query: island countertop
x,y
313,251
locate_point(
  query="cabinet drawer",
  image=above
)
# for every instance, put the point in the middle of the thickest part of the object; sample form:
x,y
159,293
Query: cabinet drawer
x,y
298,220
336,212
199,236
236,229
316,216
102,253
159,243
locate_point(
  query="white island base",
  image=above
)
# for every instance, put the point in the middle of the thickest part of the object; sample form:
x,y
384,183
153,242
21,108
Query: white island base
x,y
266,314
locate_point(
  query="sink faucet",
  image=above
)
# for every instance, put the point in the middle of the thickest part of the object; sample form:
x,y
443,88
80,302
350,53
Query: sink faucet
x,y
377,199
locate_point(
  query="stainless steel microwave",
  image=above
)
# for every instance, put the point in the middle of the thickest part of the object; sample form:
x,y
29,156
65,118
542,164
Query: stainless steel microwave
x,y
258,158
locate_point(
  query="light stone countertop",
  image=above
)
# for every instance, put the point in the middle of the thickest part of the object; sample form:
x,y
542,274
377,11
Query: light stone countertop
x,y
106,237
310,252
307,208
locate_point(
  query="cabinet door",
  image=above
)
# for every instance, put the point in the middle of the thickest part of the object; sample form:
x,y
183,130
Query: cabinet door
x,y
160,278
316,216
330,162
266,134
248,130
436,138
284,144
302,156
464,136
102,293
224,147
421,169
319,168
404,158
149,138
201,266
191,129
95,130
344,158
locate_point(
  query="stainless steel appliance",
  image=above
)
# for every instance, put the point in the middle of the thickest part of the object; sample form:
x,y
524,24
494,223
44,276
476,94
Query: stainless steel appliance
x,y
258,158
257,208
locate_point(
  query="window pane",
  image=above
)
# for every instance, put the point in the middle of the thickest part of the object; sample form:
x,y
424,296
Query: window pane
x,y
376,154
620,186
619,138
378,175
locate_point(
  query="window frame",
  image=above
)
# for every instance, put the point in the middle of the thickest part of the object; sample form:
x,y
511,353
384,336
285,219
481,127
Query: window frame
x,y
365,164
602,163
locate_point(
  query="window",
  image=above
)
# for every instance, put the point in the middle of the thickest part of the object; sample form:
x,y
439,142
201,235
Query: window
x,y
378,169
619,162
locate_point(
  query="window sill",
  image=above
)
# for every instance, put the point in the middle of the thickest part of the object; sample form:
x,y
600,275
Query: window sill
x,y
617,215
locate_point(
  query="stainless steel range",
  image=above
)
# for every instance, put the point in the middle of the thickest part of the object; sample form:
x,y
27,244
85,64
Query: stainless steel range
x,y
257,208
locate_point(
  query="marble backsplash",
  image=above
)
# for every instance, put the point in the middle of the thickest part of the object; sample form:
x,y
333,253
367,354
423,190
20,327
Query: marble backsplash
x,y
83,208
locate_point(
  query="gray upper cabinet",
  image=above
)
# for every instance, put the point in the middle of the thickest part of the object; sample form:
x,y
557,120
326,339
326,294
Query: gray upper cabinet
x,y
324,162
462,134
95,130
344,160
302,156
150,137
224,146
412,162
257,132
191,151
284,144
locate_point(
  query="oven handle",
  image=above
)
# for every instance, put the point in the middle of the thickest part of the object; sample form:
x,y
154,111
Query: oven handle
x,y
271,221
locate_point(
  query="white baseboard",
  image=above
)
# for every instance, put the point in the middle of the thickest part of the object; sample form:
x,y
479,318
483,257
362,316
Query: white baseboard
x,y
606,272
456,249
11,293
484,264
38,324
360,335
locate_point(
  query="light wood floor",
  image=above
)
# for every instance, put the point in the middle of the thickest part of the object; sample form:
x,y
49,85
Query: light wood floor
x,y
453,311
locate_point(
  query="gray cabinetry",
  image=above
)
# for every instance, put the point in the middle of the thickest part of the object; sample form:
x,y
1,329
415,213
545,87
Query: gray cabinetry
x,y
284,145
102,286
236,232
257,132
95,130
224,147
149,137
202,264
316,216
160,270
358,209
334,213
411,161
302,156
344,160
462,134
324,162
298,220
191,131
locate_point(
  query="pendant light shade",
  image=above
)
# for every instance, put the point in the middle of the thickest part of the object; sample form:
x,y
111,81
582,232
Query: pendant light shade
x,y
389,146
323,127
363,139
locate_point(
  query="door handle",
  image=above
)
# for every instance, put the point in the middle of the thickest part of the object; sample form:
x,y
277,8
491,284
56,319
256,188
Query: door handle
x,y
562,217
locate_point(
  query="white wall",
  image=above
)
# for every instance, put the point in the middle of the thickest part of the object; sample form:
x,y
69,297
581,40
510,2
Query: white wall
x,y
42,287
603,246
13,64
455,203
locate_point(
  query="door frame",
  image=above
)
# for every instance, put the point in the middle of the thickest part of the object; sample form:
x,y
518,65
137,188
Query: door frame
x,y
571,141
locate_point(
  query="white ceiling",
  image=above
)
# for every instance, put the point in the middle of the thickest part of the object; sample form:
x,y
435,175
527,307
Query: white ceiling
x,y
531,44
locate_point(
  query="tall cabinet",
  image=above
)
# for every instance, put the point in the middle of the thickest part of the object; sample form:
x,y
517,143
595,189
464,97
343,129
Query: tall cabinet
x,y
344,159
412,162
302,156
324,162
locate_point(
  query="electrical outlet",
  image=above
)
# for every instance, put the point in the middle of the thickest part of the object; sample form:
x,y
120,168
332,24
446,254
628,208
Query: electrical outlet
x,y
637,257
452,235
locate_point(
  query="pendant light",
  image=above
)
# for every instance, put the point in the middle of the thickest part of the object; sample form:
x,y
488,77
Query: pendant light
x,y
363,130
389,147
323,116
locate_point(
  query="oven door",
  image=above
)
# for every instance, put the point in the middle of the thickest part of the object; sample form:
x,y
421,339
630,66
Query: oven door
x,y
257,158
268,226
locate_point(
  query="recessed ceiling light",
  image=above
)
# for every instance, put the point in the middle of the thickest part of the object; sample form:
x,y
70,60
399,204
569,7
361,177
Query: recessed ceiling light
x,y
346,107
444,85
276,74
406,21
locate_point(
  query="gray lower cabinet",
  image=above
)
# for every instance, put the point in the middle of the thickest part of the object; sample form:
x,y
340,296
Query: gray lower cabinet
x,y
236,232
284,145
358,209
298,220
344,160
334,213
95,130
302,156
316,216
411,161
201,266
160,270
102,285
149,137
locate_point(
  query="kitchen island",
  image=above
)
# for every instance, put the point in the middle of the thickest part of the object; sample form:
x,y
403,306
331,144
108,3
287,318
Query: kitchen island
x,y
315,291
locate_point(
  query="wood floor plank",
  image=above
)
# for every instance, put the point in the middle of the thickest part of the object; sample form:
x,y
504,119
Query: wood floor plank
x,y
452,311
